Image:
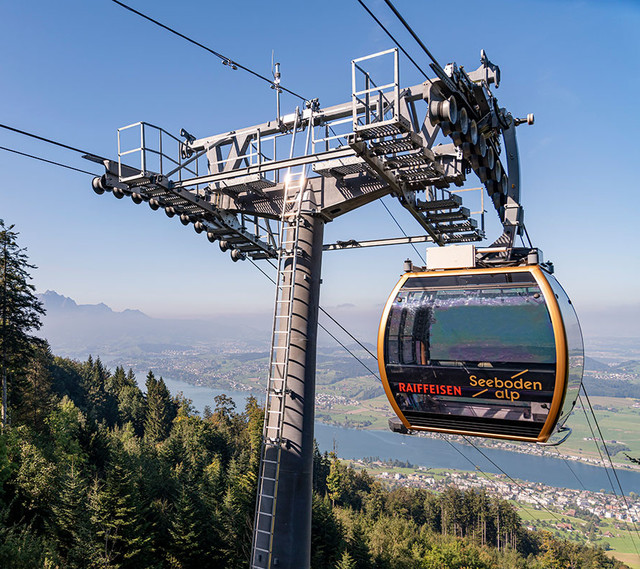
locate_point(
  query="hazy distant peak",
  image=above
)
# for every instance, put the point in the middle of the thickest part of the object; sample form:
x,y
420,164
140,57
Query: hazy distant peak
x,y
52,301
56,302
100,307
132,312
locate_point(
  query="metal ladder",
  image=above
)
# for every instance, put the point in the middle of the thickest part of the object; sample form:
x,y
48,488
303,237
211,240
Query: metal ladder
x,y
272,439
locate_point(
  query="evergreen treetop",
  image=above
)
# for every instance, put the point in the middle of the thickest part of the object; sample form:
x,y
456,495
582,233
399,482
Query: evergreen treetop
x,y
20,312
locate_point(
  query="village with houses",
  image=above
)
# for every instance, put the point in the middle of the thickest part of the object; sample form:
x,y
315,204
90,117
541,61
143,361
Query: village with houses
x,y
567,510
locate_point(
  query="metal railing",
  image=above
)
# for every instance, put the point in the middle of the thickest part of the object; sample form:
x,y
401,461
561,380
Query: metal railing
x,y
374,104
155,153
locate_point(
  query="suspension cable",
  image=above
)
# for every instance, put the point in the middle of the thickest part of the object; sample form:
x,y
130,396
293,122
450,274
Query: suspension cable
x,y
371,372
49,141
60,144
454,447
348,333
613,469
337,324
47,161
413,34
557,453
225,60
507,475
595,441
393,39
604,464
403,231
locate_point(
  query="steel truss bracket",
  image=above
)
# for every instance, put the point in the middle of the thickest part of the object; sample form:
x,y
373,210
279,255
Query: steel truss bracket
x,y
192,207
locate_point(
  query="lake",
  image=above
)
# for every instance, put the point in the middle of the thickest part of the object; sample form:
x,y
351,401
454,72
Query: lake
x,y
435,453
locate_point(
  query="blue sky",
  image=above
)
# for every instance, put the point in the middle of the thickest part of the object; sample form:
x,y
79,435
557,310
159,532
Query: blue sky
x,y
75,71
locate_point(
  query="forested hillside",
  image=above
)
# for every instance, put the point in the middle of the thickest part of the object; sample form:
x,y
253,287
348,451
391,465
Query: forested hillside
x,y
95,473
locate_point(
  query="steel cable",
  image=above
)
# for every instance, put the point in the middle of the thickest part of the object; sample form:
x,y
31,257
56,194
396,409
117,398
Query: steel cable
x,y
49,141
226,60
393,39
47,161
507,475
371,372
613,469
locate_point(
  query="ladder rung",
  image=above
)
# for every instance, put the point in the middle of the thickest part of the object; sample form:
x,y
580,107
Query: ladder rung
x,y
260,549
263,531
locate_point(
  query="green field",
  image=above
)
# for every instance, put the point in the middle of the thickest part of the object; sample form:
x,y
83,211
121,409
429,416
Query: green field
x,y
620,545
618,420
368,414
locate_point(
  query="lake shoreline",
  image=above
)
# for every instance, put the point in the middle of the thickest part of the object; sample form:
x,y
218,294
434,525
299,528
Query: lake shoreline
x,y
242,392
430,451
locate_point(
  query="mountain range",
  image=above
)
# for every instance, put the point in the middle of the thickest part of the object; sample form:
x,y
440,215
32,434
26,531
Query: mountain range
x,y
130,336
77,330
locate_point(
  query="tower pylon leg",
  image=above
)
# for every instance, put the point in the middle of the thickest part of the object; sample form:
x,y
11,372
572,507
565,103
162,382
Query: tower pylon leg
x,y
282,528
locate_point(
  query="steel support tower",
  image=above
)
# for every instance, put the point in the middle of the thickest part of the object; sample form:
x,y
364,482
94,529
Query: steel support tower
x,y
266,192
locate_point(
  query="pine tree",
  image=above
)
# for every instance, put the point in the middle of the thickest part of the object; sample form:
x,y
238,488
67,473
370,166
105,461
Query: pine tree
x,y
122,537
67,424
238,510
255,416
224,409
321,469
336,481
160,410
37,399
131,402
20,313
346,561
101,404
358,548
72,519
186,531
116,381
327,540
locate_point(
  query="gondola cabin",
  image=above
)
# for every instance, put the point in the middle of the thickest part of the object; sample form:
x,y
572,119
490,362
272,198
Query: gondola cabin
x,y
491,352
